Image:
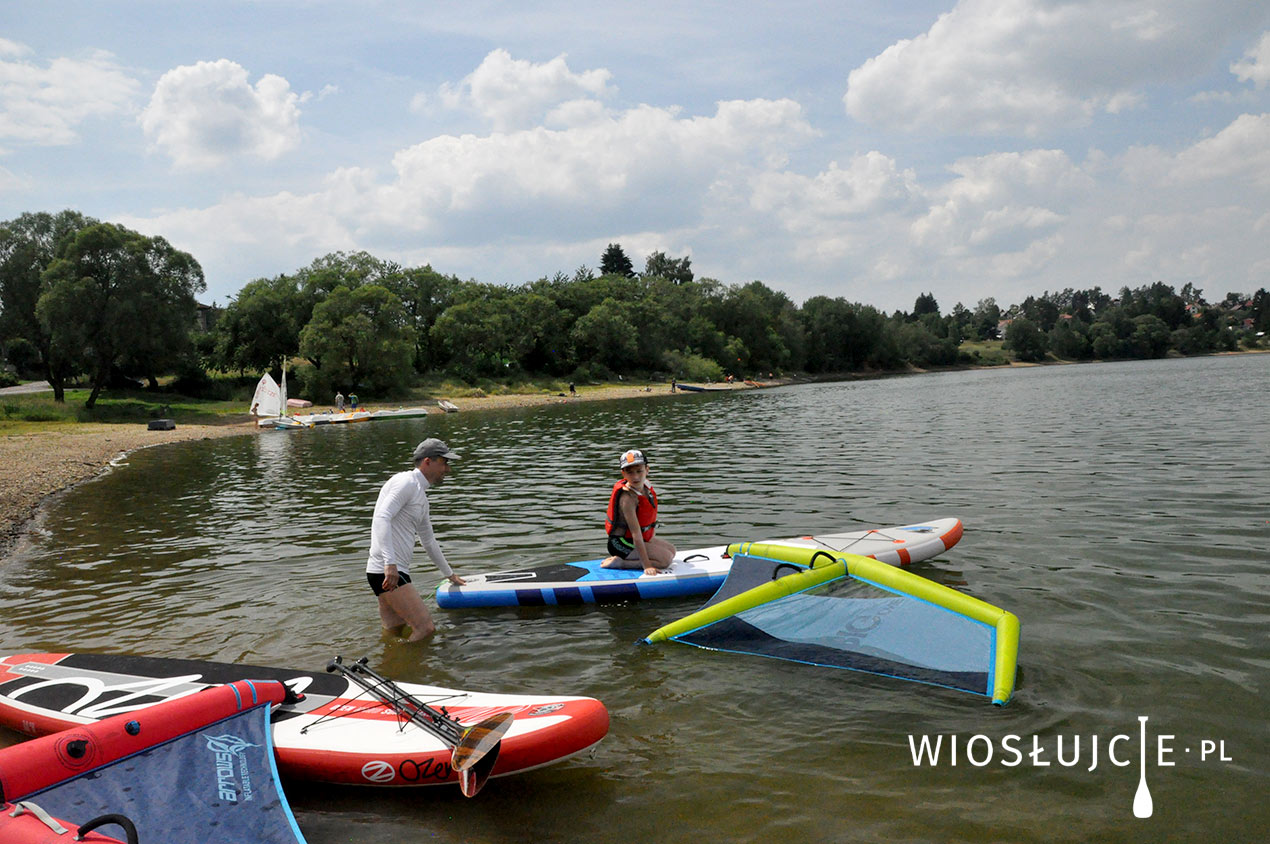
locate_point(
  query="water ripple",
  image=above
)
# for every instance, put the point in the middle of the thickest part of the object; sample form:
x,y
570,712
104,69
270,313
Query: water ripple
x,y
1119,510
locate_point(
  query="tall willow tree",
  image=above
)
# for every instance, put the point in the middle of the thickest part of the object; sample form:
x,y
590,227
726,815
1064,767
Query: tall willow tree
x,y
28,244
114,297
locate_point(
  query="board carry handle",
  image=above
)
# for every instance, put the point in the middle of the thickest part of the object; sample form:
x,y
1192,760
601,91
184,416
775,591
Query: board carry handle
x,y
129,828
794,568
811,564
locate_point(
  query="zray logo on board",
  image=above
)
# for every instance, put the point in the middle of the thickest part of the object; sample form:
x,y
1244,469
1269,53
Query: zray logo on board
x,y
1011,751
379,771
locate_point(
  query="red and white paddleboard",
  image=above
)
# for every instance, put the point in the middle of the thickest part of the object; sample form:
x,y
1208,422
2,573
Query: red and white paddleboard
x,y
336,734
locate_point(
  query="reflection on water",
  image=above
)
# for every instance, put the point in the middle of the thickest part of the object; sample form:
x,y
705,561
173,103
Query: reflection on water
x,y
1119,510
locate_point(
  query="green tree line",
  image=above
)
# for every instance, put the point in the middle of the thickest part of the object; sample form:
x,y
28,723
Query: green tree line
x,y
82,298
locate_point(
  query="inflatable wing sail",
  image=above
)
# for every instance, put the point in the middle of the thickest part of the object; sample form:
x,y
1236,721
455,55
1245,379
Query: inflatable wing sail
x,y
846,611
177,771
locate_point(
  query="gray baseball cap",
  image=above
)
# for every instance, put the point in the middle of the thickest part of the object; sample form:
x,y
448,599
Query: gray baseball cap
x,y
433,447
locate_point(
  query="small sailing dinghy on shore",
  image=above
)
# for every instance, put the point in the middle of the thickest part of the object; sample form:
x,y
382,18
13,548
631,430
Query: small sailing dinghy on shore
x,y
270,405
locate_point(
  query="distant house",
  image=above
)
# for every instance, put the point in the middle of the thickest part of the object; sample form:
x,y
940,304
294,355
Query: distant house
x,y
1002,325
205,318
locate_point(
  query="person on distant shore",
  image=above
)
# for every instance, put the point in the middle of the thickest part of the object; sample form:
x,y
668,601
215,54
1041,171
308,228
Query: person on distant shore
x,y
573,391
632,520
352,401
339,402
401,515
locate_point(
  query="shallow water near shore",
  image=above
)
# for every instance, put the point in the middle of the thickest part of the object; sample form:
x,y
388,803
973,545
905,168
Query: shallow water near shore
x,y
1120,510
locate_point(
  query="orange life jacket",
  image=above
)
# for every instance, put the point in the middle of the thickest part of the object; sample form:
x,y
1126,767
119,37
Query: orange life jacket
x,y
645,513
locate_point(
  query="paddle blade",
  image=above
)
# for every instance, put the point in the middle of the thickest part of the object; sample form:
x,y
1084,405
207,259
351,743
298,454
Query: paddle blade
x,y
478,740
472,780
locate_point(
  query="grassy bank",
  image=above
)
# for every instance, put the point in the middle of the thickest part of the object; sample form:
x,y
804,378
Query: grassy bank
x,y
22,413
26,412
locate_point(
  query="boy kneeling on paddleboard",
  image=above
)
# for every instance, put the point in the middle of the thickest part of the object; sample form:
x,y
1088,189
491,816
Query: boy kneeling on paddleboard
x,y
633,502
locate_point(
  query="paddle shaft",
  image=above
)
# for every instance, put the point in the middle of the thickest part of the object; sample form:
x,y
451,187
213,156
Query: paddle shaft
x,y
474,749
438,723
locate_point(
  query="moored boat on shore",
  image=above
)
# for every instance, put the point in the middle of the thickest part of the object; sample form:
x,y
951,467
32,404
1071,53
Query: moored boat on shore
x,y
399,413
335,418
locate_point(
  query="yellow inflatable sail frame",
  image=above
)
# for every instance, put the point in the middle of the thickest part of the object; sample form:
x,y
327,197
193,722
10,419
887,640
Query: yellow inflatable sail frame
x,y
823,566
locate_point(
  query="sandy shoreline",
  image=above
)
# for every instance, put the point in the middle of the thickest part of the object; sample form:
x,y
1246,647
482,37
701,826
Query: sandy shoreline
x,y
34,467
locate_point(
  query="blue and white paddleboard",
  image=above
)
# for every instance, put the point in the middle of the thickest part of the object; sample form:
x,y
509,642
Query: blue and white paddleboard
x,y
696,572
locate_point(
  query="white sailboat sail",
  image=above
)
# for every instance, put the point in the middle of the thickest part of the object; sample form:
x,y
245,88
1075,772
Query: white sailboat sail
x,y
265,403
282,405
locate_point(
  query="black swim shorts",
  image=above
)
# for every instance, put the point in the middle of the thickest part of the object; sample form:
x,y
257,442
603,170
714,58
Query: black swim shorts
x,y
376,581
621,547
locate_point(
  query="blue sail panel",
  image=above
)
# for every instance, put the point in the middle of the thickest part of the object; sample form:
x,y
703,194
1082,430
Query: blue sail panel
x,y
857,614
897,637
214,785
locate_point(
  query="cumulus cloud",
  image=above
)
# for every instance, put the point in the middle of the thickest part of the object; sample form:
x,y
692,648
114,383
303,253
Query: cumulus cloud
x,y
510,207
238,236
998,216
46,104
871,183
1255,66
839,213
1230,163
1028,66
205,114
551,192
999,198
1013,224
514,93
515,203
642,165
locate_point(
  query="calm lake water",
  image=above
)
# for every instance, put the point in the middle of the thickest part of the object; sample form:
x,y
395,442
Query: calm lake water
x,y
1120,510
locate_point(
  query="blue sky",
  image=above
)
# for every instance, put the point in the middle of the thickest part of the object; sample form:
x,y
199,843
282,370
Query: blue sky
x,y
971,149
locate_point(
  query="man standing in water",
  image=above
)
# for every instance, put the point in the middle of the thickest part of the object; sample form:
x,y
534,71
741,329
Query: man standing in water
x,y
401,514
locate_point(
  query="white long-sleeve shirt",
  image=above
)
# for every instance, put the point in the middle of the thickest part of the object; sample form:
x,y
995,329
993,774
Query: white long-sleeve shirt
x,y
401,514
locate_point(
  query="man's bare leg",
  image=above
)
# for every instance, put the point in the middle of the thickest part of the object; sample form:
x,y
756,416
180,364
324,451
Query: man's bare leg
x,y
393,624
404,606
